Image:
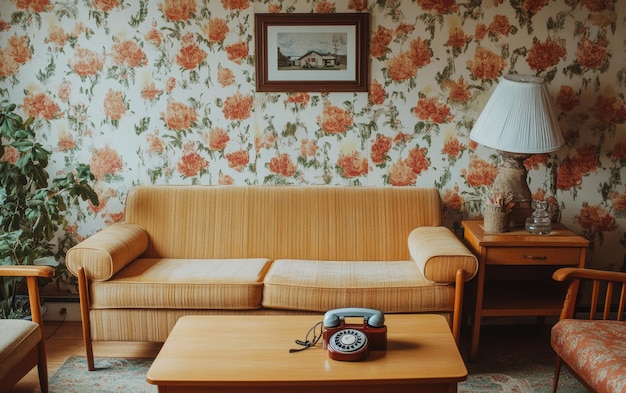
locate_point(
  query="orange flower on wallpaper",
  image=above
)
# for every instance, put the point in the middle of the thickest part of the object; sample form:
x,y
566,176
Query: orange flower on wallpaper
x,y
547,54
114,106
500,25
225,180
335,120
619,204
190,55
619,151
274,9
154,36
105,161
377,93
106,5
308,148
420,53
11,155
217,30
325,7
401,174
353,164
610,109
300,99
18,49
458,91
266,140
452,200
218,139
87,62
178,10
34,5
238,106
567,99
592,55
58,36
568,175
535,161
430,109
282,165
179,116
225,76
453,147
380,42
237,51
596,219
440,6
533,6
479,172
238,159
380,148
357,5
418,161
150,92
8,66
486,64
191,163
236,4
66,141
401,67
129,53
457,38
40,105
65,91
156,144
404,30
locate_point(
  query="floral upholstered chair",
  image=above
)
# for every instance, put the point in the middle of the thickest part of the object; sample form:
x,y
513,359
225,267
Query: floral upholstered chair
x,y
594,350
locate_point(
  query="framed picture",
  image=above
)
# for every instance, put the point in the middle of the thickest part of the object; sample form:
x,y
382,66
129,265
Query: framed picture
x,y
312,52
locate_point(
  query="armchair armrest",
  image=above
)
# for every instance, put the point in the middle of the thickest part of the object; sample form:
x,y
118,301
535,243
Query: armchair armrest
x,y
108,251
26,271
440,254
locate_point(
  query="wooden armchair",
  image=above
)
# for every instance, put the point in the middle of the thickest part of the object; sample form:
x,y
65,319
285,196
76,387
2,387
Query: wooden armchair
x,y
22,343
594,350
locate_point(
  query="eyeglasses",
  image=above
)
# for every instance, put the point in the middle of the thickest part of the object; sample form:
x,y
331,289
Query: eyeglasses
x,y
316,332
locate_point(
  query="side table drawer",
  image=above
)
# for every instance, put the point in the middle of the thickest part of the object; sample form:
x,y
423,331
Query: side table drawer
x,y
533,256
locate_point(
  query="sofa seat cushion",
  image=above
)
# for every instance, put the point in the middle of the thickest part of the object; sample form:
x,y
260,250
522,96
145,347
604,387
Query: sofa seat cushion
x,y
595,349
18,337
390,286
183,283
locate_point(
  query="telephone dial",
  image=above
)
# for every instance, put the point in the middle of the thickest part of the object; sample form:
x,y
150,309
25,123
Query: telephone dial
x,y
352,342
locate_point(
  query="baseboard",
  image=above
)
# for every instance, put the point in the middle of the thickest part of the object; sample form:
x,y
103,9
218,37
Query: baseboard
x,y
54,311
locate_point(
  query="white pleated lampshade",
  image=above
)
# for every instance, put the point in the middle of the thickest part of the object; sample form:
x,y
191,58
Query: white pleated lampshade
x,y
518,118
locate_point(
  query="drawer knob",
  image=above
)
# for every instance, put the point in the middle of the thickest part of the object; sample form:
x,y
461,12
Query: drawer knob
x,y
535,256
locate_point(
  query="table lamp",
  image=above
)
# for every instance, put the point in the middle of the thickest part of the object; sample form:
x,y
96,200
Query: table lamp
x,y
518,121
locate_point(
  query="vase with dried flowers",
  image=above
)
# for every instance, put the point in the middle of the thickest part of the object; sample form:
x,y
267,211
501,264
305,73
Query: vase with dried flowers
x,y
497,206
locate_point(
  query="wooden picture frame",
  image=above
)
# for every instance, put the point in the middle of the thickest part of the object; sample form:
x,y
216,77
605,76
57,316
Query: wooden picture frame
x,y
306,52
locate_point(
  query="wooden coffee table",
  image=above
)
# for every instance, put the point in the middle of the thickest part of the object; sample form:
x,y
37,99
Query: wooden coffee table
x,y
251,354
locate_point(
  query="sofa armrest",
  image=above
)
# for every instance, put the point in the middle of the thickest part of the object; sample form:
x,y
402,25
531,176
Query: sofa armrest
x,y
108,251
440,254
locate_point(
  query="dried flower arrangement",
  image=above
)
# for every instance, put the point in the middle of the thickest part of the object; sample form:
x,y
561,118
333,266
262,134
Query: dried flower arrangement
x,y
498,201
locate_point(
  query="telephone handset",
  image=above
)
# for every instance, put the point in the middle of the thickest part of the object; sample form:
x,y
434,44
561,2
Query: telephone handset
x,y
352,342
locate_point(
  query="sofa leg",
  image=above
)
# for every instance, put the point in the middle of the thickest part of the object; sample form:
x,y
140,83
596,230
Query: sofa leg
x,y
83,291
458,304
557,373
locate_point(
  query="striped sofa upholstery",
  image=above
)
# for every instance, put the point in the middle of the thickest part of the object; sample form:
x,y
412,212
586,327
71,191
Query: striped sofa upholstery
x,y
266,249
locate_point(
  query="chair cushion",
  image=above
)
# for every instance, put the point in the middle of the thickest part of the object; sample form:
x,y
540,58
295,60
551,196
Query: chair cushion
x,y
596,350
17,339
183,283
390,286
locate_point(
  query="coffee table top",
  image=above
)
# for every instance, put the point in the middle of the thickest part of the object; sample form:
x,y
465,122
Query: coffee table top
x,y
219,350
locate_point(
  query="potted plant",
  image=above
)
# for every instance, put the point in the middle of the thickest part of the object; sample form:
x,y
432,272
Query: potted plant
x,y
31,205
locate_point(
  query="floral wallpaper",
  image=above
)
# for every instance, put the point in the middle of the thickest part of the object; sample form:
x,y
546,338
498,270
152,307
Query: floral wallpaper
x,y
163,91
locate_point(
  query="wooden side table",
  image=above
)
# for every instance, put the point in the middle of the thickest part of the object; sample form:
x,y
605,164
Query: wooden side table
x,y
515,272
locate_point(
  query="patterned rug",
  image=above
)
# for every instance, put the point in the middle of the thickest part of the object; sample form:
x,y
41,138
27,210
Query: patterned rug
x,y
113,375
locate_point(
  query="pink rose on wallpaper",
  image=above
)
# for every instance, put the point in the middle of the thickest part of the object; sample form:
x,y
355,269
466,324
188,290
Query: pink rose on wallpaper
x,y
479,173
430,109
353,164
486,64
106,5
458,91
179,116
129,53
610,109
218,28
377,93
567,99
150,92
452,147
592,55
114,106
400,174
325,7
380,42
418,161
452,200
357,5
238,159
105,161
335,120
178,10
218,139
544,55
237,51
236,4
87,62
238,106
11,155
34,5
301,99
596,219
66,142
308,148
282,165
40,105
380,148
190,56
440,6
225,76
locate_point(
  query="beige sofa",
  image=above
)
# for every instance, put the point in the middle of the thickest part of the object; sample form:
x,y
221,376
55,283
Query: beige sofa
x,y
264,249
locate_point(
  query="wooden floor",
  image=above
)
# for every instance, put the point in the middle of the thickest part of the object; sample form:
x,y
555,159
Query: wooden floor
x,y
65,339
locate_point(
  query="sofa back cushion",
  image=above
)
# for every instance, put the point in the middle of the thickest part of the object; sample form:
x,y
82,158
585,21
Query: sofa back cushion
x,y
277,222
